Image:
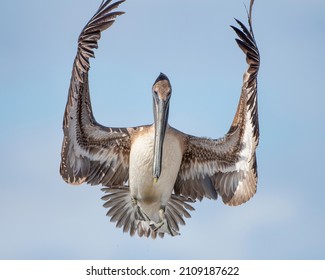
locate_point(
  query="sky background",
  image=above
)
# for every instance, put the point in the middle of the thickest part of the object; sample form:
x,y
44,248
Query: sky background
x,y
42,217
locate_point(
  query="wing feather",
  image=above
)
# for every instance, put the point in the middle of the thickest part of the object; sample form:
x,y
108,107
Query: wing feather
x,y
91,152
229,163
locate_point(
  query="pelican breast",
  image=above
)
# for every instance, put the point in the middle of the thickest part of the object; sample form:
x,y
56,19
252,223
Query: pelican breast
x,y
142,185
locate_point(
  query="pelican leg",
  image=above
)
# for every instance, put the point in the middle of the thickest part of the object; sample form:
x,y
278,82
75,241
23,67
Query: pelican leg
x,y
134,201
162,213
163,224
162,220
140,215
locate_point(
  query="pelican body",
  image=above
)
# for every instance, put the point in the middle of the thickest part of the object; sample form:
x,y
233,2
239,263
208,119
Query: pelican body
x,y
152,173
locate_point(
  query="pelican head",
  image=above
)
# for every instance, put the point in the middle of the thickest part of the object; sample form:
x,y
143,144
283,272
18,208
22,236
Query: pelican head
x,y
161,92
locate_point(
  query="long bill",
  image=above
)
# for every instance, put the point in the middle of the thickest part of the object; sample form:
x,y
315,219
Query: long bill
x,y
161,109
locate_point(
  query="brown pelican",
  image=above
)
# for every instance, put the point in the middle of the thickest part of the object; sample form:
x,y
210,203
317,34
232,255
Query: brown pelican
x,y
152,173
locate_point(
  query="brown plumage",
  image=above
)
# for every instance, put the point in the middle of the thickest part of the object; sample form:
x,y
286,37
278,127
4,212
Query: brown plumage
x,y
151,173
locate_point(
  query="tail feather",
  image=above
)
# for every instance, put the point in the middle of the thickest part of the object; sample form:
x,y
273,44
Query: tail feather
x,y
123,211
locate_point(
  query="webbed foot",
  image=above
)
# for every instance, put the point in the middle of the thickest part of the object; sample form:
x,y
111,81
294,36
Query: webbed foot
x,y
162,225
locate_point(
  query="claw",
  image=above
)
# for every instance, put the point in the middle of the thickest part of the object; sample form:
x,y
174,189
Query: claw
x,y
156,226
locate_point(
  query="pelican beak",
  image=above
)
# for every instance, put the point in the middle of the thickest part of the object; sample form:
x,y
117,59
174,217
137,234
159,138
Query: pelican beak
x,y
161,109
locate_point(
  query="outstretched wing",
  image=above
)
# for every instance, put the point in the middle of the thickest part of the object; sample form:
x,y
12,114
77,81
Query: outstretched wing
x,y
90,152
227,166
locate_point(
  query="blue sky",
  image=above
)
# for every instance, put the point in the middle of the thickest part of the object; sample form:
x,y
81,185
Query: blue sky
x,y
41,217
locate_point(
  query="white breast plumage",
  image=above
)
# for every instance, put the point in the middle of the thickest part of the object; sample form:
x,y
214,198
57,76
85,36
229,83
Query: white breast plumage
x,y
151,195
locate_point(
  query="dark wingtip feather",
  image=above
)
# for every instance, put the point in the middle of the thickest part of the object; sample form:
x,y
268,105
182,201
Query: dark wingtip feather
x,y
250,15
88,39
246,40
